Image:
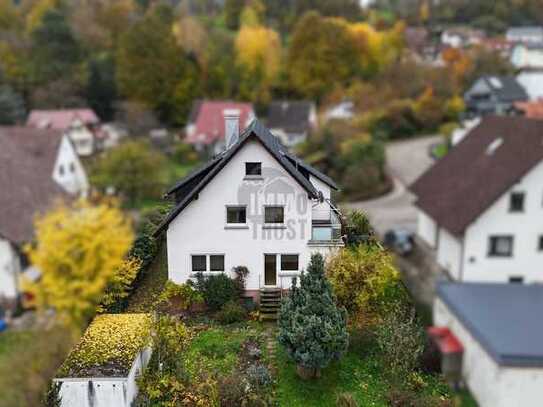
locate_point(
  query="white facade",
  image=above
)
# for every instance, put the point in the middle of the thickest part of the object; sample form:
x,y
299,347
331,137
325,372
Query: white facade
x,y
82,137
490,384
10,268
201,228
341,111
68,170
103,391
532,82
467,257
525,57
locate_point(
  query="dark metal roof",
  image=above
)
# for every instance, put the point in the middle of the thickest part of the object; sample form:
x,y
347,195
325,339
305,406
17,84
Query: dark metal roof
x,y
506,88
201,177
472,176
504,318
290,115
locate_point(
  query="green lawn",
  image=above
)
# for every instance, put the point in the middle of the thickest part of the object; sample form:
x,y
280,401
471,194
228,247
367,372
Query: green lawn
x,y
13,341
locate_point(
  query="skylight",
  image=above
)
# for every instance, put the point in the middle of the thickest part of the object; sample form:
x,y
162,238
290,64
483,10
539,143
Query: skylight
x,y
496,82
492,147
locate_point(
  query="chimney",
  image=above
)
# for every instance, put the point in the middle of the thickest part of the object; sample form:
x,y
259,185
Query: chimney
x,y
231,127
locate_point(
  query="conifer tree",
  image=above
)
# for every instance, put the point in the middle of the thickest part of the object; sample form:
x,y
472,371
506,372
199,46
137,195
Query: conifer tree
x,y
312,328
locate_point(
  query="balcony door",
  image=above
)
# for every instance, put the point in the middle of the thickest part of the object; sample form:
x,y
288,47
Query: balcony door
x,y
270,270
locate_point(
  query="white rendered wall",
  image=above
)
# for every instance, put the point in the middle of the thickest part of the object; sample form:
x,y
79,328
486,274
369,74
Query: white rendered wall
x,y
104,391
426,228
9,270
68,170
449,253
82,138
490,384
201,227
526,227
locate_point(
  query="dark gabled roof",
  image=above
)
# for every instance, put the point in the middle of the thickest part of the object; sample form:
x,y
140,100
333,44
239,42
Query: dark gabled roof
x,y
27,159
506,88
290,115
504,318
189,187
304,167
472,176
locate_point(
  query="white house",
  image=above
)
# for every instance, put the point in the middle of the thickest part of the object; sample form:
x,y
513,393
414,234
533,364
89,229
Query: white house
x,y
499,328
527,56
292,120
528,34
254,205
81,125
480,207
343,110
37,166
532,82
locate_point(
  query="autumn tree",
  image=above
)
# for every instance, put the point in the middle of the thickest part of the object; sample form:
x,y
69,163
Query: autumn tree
x,y
152,69
258,56
101,91
322,53
134,170
77,249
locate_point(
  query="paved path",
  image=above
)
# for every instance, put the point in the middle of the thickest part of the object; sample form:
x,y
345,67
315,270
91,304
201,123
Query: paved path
x,y
406,161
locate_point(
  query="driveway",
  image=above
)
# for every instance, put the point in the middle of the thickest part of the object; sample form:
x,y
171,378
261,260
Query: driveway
x,y
406,161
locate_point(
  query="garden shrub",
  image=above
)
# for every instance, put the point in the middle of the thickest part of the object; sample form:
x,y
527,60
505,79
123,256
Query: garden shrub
x,y
241,273
118,289
185,295
231,312
365,282
358,229
312,328
346,400
400,338
258,375
216,290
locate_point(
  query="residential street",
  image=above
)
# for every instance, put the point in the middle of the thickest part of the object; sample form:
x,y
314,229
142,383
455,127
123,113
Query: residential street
x,y
406,160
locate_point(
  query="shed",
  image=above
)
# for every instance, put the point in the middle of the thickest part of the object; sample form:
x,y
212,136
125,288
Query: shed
x,y
499,327
101,370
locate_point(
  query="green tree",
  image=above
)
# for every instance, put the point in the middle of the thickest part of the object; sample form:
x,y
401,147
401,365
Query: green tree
x,y
153,69
55,50
312,328
12,107
232,13
322,54
101,90
134,169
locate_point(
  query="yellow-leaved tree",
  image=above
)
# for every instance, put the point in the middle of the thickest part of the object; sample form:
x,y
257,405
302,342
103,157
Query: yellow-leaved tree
x,y
78,250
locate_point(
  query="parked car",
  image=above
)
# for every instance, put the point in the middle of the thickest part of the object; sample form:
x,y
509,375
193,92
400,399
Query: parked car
x,y
400,240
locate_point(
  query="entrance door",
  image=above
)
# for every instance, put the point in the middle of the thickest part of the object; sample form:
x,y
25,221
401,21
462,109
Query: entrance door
x,y
270,269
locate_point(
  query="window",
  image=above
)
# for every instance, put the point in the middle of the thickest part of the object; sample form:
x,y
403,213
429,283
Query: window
x,y
289,262
236,214
500,246
517,280
199,263
540,243
253,168
216,262
61,169
274,214
516,202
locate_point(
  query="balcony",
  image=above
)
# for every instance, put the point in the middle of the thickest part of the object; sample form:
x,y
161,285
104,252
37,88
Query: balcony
x,y
325,228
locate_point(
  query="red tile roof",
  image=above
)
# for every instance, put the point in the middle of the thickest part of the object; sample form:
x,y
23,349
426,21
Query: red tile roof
x,y
209,120
60,119
532,110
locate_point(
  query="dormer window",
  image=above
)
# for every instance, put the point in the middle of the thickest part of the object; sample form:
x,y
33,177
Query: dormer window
x,y
253,169
516,202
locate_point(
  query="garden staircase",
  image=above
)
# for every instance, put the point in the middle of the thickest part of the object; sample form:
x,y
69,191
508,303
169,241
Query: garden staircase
x,y
270,302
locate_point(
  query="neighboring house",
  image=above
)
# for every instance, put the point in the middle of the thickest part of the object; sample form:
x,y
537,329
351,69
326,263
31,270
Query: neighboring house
x,y
292,121
343,110
493,95
527,56
37,166
531,110
79,124
110,135
499,45
254,205
205,128
532,82
499,328
525,34
460,37
480,206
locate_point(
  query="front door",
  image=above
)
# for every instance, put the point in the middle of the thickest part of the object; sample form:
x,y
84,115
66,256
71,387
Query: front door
x,y
270,269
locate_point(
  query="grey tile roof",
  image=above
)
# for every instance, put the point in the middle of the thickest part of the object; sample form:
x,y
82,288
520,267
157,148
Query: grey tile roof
x,y
506,88
290,115
504,318
191,185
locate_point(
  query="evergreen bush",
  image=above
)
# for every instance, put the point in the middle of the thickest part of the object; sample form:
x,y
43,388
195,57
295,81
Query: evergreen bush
x,y
217,290
313,329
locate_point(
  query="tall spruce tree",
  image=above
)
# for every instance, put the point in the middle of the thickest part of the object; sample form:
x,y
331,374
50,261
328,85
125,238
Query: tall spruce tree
x,y
12,106
313,329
